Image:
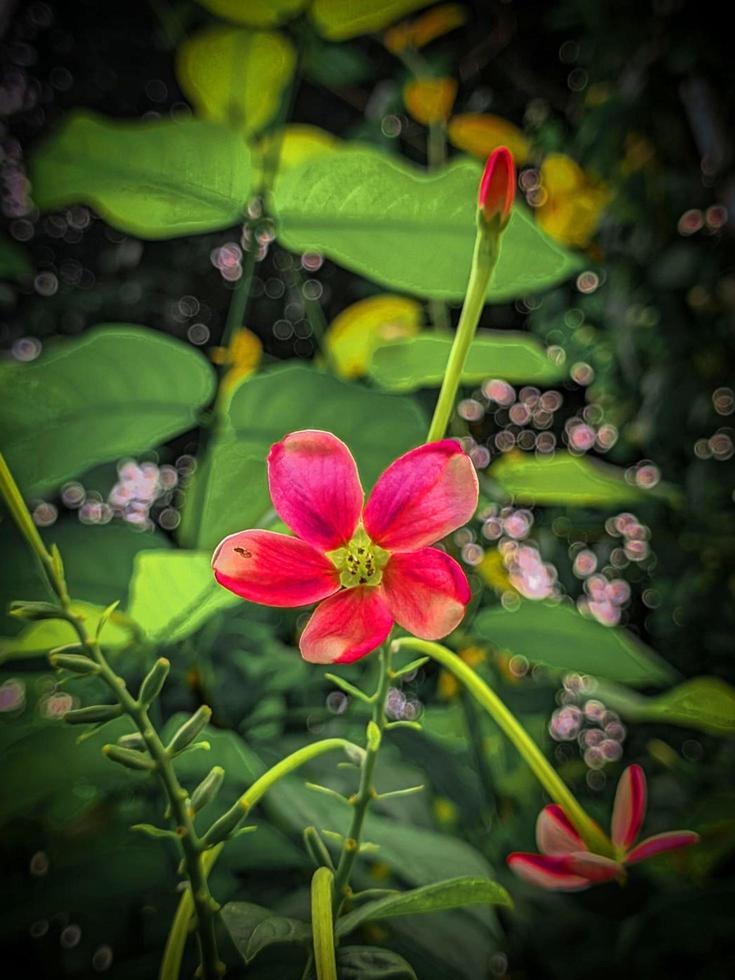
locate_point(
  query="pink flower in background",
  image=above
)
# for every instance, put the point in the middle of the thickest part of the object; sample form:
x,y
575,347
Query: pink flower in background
x,y
367,567
565,862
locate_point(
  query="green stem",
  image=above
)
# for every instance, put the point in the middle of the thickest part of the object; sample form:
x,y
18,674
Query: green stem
x,y
483,263
240,297
366,792
21,515
554,785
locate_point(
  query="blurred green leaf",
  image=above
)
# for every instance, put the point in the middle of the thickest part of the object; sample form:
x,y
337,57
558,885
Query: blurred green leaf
x,y
450,894
395,224
14,262
252,928
173,593
116,390
561,638
234,76
153,179
563,479
38,638
704,703
230,493
372,963
254,13
420,362
338,20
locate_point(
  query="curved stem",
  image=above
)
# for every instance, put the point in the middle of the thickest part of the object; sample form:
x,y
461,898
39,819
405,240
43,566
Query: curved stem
x,y
588,829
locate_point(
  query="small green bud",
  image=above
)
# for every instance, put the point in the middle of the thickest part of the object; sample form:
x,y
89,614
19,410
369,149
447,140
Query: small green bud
x,y
223,828
153,681
189,730
317,849
73,662
134,740
35,610
104,618
208,789
93,713
128,758
373,736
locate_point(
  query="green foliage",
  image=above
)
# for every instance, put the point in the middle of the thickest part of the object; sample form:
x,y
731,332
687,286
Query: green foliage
x,y
372,963
115,391
36,639
562,639
420,362
151,179
236,77
565,480
407,230
229,492
704,703
338,20
173,593
450,894
252,928
254,13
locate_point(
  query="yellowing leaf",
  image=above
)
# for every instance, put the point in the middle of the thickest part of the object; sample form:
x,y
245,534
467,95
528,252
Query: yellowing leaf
x,y
254,13
298,142
574,202
479,134
430,100
235,76
358,330
426,28
342,19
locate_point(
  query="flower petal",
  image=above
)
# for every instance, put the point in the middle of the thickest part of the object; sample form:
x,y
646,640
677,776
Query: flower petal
x,y
659,843
273,569
422,496
629,807
555,834
546,871
346,627
594,867
426,592
315,487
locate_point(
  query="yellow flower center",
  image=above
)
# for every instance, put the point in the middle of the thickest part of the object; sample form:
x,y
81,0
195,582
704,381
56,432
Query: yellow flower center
x,y
360,562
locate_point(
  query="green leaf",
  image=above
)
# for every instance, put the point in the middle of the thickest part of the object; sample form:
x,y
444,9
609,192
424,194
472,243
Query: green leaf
x,y
153,179
420,362
563,479
561,638
14,262
230,492
704,703
40,637
252,928
235,76
254,13
114,391
450,894
372,963
390,221
339,20
173,593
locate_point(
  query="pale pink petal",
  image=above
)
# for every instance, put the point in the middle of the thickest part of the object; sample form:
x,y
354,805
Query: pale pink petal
x,y
669,841
426,592
554,832
550,872
315,487
629,807
346,626
273,569
422,496
594,867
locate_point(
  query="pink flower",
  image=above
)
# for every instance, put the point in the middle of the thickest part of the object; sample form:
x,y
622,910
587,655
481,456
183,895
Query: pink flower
x,y
498,186
566,864
369,567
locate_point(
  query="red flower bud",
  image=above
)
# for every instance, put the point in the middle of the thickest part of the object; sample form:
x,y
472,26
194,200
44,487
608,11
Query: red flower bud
x,y
498,186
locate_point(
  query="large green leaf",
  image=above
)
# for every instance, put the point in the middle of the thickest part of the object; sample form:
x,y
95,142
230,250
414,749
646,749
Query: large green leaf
x,y
450,894
372,963
704,703
252,928
154,179
254,13
36,639
235,76
116,390
173,593
339,20
390,221
564,479
420,362
561,638
230,493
